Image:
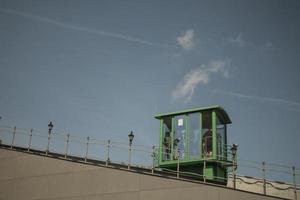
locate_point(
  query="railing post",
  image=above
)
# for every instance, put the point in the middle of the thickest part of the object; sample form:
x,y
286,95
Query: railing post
x,y
234,163
264,177
30,138
294,182
178,163
234,173
87,148
153,159
107,155
129,158
204,168
48,144
67,145
13,139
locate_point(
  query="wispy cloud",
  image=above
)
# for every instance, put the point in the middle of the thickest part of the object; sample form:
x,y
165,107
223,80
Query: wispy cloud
x,y
240,41
80,28
264,99
187,40
202,75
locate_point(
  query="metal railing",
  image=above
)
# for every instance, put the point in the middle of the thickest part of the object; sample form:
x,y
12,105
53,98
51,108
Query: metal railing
x,y
133,156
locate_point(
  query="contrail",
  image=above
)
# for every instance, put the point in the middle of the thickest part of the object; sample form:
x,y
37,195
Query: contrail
x,y
267,99
83,29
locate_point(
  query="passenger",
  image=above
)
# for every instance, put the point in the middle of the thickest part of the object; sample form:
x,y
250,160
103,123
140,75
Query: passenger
x,y
207,143
167,146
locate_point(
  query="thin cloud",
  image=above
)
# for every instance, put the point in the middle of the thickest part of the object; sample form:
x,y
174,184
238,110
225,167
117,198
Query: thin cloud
x,y
187,40
82,29
240,41
202,75
265,99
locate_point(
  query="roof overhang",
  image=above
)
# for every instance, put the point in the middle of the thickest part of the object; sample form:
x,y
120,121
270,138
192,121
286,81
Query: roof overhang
x,y
220,112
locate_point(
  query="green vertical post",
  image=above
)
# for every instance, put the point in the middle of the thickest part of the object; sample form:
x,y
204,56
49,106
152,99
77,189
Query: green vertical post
x,y
160,148
172,138
214,134
187,138
201,136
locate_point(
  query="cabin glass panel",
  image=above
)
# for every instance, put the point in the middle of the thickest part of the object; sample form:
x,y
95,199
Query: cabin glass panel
x,y
221,145
179,140
194,131
207,134
167,138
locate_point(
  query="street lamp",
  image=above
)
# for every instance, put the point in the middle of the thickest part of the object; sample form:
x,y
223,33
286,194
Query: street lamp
x,y
130,136
233,151
50,127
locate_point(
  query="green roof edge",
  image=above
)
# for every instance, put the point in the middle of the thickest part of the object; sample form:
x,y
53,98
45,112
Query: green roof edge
x,y
218,107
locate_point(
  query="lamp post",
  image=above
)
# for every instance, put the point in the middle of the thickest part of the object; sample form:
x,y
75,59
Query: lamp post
x,y
50,127
130,136
234,163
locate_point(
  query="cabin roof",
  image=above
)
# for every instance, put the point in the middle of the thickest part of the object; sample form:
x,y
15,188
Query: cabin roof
x,y
220,112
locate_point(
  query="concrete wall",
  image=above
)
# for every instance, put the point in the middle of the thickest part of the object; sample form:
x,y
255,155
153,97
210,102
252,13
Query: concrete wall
x,y
272,188
25,176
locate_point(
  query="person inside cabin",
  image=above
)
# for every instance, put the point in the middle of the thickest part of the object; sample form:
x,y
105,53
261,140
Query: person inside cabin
x,y
207,143
167,146
176,149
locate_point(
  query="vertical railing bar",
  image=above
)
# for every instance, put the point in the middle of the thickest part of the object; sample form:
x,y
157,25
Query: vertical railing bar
x,y
178,163
87,149
294,182
264,177
48,144
129,158
67,145
30,138
107,155
13,139
153,159
204,167
234,174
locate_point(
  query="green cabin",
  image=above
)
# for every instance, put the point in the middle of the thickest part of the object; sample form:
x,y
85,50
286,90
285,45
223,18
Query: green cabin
x,y
197,139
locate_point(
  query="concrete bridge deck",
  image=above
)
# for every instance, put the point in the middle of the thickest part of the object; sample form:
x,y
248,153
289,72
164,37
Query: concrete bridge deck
x,y
29,175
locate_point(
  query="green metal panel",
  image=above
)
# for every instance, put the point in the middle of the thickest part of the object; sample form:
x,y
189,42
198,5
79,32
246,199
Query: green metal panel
x,y
172,139
209,172
214,134
161,141
201,135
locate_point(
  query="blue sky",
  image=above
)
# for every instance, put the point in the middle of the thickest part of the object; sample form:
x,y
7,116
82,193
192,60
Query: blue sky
x,y
103,68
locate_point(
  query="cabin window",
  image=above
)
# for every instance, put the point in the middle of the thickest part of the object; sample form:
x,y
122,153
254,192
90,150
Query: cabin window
x,y
206,134
221,144
179,140
194,131
167,140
